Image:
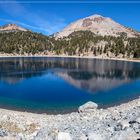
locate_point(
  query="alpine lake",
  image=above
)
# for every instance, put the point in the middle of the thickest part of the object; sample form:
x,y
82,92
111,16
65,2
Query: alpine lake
x,y
60,85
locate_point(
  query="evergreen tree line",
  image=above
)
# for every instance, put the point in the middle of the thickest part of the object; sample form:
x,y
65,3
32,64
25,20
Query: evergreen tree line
x,y
77,43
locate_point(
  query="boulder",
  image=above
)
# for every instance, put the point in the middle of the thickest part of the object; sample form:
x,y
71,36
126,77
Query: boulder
x,y
64,136
89,106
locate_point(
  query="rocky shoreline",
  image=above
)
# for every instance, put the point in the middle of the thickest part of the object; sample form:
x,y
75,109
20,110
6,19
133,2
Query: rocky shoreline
x,y
89,123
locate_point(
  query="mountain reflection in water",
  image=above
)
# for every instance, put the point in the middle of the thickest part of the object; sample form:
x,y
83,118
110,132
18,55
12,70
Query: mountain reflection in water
x,y
93,75
60,85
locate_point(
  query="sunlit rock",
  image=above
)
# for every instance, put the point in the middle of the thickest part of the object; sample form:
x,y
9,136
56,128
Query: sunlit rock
x,y
64,136
89,106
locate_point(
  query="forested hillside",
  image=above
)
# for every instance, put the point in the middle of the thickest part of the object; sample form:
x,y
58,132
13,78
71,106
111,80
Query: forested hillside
x,y
80,43
87,43
21,42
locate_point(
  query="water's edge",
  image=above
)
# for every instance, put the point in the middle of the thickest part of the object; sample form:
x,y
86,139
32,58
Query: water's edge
x,y
65,112
10,109
110,123
74,56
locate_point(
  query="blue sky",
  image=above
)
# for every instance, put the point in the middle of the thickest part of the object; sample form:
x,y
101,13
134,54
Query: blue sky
x,y
50,17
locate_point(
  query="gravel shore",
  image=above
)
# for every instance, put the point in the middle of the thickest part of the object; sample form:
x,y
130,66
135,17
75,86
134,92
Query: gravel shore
x,y
115,123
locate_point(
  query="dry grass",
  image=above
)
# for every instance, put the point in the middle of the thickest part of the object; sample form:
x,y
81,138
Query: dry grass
x,y
10,127
14,128
32,127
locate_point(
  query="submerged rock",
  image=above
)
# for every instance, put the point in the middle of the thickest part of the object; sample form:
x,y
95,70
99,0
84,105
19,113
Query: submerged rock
x,y
89,106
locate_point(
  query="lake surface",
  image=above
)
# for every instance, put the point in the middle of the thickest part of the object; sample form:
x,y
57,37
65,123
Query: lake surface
x,y
60,85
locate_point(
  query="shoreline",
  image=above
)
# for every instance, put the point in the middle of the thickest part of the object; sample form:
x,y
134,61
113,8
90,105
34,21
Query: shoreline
x,y
107,108
74,56
67,112
122,121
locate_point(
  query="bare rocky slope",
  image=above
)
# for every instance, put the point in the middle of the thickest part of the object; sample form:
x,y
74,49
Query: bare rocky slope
x,y
11,27
99,25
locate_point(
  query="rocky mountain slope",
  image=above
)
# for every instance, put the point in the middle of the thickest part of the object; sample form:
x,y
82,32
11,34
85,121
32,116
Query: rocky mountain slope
x,y
99,25
11,27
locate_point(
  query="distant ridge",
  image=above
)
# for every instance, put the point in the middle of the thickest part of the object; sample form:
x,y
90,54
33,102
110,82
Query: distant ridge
x,y
11,27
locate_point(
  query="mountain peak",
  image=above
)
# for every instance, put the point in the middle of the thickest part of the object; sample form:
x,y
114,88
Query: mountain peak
x,y
97,24
96,15
11,27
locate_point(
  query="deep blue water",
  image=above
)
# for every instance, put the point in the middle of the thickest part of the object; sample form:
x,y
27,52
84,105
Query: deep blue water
x,y
60,85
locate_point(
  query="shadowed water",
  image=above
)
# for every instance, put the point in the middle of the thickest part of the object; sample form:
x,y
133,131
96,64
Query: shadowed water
x,y
60,85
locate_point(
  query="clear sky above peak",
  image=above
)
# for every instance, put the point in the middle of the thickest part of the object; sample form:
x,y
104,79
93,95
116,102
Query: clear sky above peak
x,y
49,17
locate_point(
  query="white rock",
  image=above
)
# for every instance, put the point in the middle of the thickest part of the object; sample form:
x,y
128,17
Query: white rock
x,y
64,136
88,107
94,136
5,118
124,124
83,137
138,120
